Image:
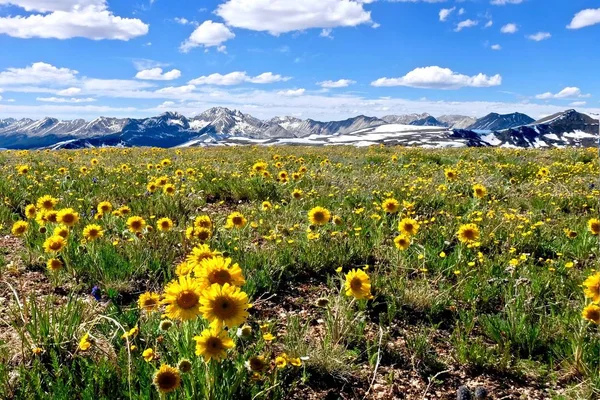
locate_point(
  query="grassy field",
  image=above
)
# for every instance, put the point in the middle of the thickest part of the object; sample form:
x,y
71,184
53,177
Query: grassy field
x,y
294,272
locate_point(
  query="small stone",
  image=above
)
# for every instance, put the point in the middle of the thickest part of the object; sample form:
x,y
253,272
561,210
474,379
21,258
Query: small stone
x,y
463,393
481,393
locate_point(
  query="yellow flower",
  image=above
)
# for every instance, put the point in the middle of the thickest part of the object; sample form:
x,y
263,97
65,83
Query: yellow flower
x,y
54,264
468,233
296,362
592,313
266,205
218,270
259,166
297,194
148,355
402,242
54,244
592,287
67,216
390,205
182,298
408,226
84,343
104,207
268,337
19,228
479,191
62,231
149,301
203,221
281,361
30,211
358,284
224,305
166,379
164,224
450,174
198,254
93,232
136,224
319,216
169,189
46,203
213,343
594,226
256,364
236,220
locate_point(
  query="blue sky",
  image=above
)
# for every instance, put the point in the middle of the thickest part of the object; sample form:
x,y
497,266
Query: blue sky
x,y
323,59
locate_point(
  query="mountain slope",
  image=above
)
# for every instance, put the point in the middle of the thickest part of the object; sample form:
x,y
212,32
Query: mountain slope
x,y
457,121
494,121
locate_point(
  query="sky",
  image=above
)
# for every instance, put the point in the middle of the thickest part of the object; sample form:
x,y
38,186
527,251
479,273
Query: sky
x,y
320,59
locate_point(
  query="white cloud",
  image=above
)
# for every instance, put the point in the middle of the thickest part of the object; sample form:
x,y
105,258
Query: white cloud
x,y
38,73
66,99
461,11
65,19
156,74
504,2
445,13
166,104
489,24
578,104
176,89
496,47
439,78
185,21
280,16
238,77
69,91
585,18
112,85
538,37
208,34
570,92
509,28
326,33
465,24
336,84
291,92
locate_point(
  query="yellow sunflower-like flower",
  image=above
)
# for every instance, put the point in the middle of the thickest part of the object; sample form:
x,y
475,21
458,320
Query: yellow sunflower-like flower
x,y
468,233
46,202
54,244
450,174
213,343
182,299
408,226
167,379
104,207
594,226
479,191
54,264
169,189
62,231
183,268
256,364
390,205
319,216
199,253
358,284
592,313
592,287
93,232
148,354
297,194
259,166
164,224
19,228
402,242
67,216
30,211
136,224
219,270
203,221
149,301
236,220
224,305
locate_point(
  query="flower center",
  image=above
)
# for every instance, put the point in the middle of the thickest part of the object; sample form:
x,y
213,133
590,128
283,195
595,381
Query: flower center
x,y
187,299
221,277
356,284
237,220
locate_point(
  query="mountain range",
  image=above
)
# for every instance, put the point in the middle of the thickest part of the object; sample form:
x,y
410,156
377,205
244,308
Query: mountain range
x,y
222,126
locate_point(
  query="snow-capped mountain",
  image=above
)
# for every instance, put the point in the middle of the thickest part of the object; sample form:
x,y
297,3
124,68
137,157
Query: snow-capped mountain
x,y
494,122
406,119
221,126
457,121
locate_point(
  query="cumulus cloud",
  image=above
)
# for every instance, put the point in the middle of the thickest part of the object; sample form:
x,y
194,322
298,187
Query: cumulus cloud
x,y
336,84
37,73
177,89
238,77
571,92
208,34
439,78
65,19
445,13
509,28
66,100
585,18
291,92
157,74
281,16
69,91
538,37
469,23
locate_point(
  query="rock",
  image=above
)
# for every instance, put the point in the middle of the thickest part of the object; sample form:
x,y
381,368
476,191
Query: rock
x,y
463,393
